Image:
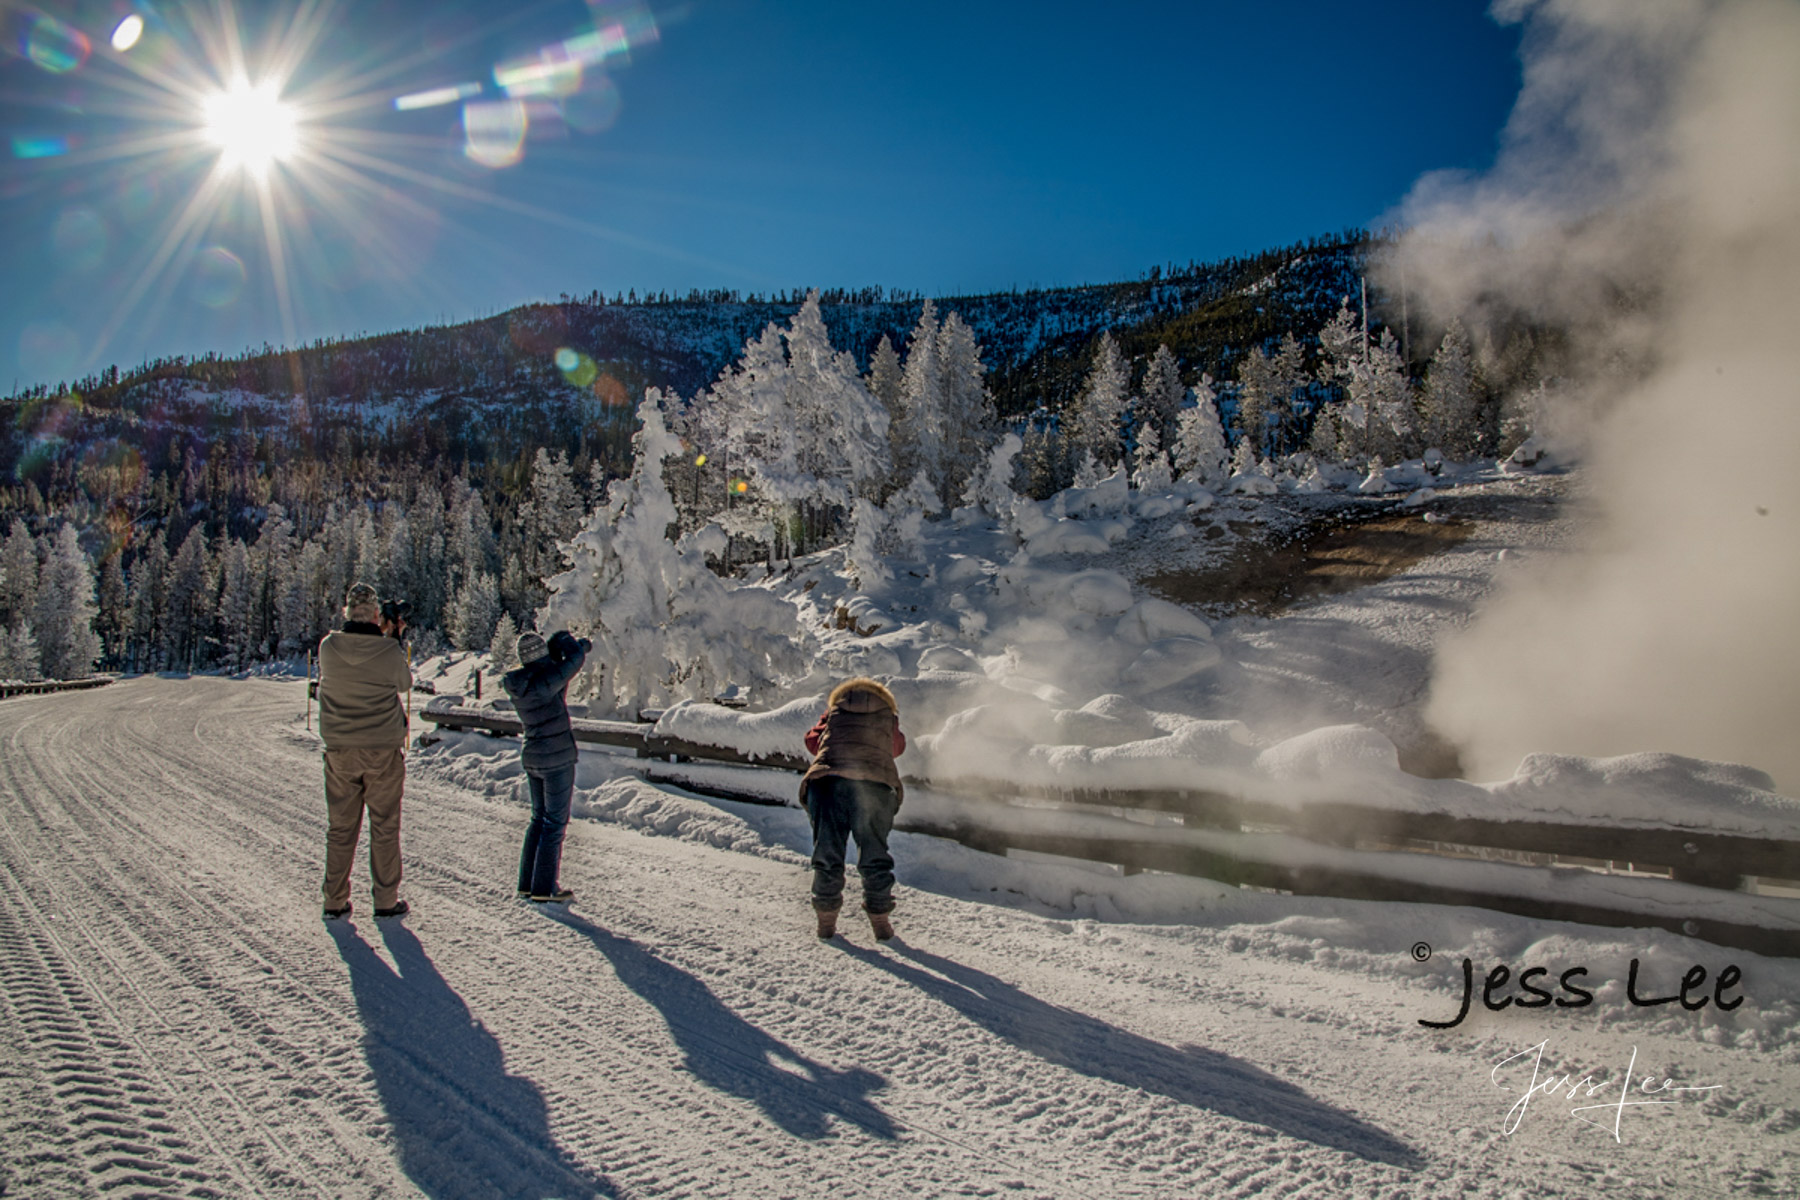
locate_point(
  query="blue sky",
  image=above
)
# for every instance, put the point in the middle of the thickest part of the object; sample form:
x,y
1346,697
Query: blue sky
x,y
747,144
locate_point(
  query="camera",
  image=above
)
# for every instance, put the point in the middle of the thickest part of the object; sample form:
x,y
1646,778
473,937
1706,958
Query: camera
x,y
396,612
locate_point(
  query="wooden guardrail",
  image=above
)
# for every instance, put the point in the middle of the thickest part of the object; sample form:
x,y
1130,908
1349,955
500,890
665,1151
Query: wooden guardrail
x,y
13,687
1308,851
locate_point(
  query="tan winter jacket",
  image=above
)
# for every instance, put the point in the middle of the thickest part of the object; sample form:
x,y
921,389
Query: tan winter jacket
x,y
858,737
361,679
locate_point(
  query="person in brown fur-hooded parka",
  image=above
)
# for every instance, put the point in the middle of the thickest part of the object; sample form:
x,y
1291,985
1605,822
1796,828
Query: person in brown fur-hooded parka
x,y
853,789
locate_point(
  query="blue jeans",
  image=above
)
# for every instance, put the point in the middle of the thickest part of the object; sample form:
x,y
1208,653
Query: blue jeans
x,y
840,809
542,856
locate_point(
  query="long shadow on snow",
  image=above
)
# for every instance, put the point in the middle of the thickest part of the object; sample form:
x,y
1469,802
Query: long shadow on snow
x,y
727,1053
1191,1075
462,1125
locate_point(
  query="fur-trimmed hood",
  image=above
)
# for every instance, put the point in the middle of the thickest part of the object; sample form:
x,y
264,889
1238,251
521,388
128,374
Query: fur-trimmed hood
x,y
862,694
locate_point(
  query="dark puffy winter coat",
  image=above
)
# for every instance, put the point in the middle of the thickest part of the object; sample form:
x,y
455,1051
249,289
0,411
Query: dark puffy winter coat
x,y
858,737
537,694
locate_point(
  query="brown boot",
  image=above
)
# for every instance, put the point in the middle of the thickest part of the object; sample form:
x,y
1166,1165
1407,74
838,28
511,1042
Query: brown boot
x,y
884,928
827,923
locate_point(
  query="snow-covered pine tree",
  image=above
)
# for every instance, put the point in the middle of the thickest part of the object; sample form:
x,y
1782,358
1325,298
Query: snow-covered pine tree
x,y
503,648
991,488
19,653
1162,394
1150,468
149,602
18,575
1449,400
474,611
969,418
920,437
189,615
664,626
237,604
842,430
885,378
113,621
1201,453
1100,407
64,620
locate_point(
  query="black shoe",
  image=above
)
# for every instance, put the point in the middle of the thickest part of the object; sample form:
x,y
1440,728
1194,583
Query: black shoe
x,y
332,914
560,896
400,909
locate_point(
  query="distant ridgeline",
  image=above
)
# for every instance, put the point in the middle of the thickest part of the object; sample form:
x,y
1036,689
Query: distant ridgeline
x,y
568,374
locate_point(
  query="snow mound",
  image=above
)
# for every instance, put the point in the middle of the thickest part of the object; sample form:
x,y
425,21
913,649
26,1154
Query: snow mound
x,y
1651,788
759,734
1334,751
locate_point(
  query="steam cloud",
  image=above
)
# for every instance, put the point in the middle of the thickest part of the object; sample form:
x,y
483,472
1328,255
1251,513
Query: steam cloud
x,y
1646,198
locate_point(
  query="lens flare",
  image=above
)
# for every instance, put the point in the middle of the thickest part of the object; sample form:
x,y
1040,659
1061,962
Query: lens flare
x,y
251,127
436,96
218,277
40,147
740,486
56,47
700,460
126,34
576,367
595,108
494,132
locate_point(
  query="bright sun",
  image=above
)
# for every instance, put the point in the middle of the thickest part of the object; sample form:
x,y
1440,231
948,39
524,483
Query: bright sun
x,y
251,127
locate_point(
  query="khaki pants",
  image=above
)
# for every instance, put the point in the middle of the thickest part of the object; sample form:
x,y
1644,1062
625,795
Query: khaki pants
x,y
355,780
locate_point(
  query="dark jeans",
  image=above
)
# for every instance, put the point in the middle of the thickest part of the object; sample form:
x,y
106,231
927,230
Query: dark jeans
x,y
542,856
840,809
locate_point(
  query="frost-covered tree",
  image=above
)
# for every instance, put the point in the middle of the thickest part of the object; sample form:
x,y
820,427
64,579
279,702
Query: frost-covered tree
x,y
19,653
64,618
503,649
113,621
969,418
902,532
991,488
1162,395
474,611
1100,407
1266,389
1150,466
551,513
841,428
237,606
189,615
885,377
1375,418
1448,405
1201,453
18,575
920,436
664,626
149,602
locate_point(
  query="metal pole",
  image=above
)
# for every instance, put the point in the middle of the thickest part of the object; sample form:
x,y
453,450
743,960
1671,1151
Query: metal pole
x,y
309,691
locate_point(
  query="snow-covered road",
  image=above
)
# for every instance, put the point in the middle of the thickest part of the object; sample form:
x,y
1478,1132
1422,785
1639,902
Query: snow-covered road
x,y
176,1020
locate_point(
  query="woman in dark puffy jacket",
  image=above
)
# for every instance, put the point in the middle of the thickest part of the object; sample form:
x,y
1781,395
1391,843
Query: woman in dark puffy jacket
x,y
537,689
853,788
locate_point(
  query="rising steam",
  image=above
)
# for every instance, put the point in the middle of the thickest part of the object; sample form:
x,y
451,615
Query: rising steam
x,y
1646,200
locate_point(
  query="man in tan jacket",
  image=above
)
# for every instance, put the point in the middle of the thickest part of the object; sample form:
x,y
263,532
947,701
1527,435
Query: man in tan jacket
x,y
362,676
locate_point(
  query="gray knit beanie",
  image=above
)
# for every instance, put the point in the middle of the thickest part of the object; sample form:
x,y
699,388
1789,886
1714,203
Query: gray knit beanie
x,y
531,647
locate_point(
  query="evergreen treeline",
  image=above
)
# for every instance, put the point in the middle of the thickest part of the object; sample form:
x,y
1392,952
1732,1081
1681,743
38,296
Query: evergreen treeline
x,y
223,505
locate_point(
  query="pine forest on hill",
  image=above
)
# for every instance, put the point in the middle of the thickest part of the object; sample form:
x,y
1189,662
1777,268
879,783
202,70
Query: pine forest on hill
x,y
209,513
